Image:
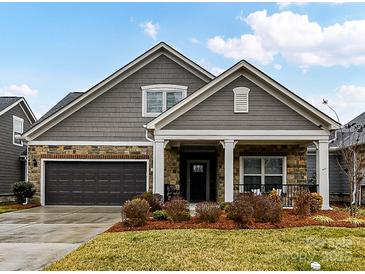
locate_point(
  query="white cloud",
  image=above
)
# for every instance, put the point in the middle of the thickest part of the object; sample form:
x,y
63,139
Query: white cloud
x,y
246,47
211,68
195,40
297,39
285,5
18,90
348,101
150,29
278,66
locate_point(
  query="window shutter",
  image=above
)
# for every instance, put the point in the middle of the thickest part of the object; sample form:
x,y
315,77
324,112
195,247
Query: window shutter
x,y
241,99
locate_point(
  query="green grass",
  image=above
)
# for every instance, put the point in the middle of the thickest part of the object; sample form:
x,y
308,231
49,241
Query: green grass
x,y
206,249
6,208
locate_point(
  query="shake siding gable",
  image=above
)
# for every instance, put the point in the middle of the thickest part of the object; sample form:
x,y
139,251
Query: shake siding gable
x,y
217,112
116,115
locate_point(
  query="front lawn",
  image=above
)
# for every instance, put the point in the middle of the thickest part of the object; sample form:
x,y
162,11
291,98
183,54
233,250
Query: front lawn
x,y
209,249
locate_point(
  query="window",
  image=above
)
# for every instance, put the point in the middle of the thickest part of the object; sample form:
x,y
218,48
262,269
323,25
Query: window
x,y
17,130
263,173
159,98
241,99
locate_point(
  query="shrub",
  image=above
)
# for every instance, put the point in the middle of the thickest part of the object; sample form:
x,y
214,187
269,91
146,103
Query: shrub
x,y
276,214
322,219
178,209
355,221
224,205
262,208
207,212
155,200
135,212
302,201
160,215
267,209
23,190
316,202
240,211
275,197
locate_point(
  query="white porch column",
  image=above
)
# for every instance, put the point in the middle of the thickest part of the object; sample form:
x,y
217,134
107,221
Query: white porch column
x,y
228,170
159,167
323,172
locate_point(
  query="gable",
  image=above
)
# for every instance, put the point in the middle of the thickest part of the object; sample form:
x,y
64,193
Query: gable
x,y
265,112
116,115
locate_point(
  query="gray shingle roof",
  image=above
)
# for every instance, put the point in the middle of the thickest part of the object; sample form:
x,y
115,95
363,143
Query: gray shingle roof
x,y
6,101
65,101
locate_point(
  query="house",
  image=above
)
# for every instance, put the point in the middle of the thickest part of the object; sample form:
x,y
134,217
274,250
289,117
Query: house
x,y
338,183
162,120
15,118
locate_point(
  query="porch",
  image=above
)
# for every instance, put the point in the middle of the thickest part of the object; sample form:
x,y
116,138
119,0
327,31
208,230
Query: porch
x,y
218,170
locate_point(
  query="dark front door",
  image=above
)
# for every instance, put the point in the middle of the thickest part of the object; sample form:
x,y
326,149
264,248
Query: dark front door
x,y
93,183
199,181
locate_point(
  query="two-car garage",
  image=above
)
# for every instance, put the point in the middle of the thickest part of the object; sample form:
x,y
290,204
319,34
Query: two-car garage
x,y
92,182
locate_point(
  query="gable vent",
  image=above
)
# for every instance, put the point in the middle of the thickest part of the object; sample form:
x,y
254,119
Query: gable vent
x,y
241,99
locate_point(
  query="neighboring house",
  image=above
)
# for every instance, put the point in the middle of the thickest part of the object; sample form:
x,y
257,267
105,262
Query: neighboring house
x,y
15,118
163,120
338,182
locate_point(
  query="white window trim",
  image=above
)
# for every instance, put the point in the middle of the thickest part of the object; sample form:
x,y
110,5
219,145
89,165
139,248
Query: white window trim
x,y
22,121
242,180
164,88
240,91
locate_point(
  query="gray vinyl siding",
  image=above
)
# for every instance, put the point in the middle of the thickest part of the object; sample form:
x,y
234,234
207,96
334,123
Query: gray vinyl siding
x,y
116,115
265,112
10,165
337,177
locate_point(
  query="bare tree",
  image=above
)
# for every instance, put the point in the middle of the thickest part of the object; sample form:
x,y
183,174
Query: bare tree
x,y
350,140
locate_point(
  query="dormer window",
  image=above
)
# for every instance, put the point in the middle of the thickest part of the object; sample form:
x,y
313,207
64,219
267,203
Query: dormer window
x,y
241,99
159,98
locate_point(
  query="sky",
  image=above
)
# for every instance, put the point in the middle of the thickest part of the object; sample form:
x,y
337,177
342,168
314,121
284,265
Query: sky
x,y
316,50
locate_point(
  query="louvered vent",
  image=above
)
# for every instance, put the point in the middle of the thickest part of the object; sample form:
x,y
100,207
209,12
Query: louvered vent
x,y
241,99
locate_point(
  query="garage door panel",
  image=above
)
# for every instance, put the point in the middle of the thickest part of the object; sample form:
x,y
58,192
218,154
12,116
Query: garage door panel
x,y
93,183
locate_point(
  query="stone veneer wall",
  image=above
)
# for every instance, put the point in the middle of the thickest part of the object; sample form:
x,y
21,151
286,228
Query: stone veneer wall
x,y
38,152
172,166
296,162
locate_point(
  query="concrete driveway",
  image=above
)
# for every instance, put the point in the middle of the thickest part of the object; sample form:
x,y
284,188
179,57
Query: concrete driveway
x,y
33,238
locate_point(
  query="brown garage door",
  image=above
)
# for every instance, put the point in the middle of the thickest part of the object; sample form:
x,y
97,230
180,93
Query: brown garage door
x,y
93,183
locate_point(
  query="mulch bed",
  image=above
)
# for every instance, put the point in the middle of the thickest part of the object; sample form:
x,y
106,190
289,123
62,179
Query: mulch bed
x,y
17,206
289,220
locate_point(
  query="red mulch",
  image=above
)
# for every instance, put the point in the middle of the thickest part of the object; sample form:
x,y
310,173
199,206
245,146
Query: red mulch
x,y
18,206
289,220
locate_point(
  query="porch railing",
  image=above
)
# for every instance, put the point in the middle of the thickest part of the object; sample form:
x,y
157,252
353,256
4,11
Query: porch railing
x,y
286,191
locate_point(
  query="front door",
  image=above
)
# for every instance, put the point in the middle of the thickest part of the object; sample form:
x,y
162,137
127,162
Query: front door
x,y
198,181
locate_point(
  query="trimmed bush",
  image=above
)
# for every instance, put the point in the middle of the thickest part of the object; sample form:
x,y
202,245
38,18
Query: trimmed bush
x,y
155,200
302,202
267,209
207,212
240,211
178,209
135,212
262,208
224,205
160,215
316,202
23,190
